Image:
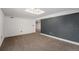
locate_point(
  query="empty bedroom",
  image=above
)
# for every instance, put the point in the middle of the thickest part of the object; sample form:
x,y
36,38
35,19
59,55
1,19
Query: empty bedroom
x,y
39,29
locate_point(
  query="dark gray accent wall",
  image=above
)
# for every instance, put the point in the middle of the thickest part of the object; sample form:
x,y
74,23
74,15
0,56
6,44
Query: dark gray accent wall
x,y
66,27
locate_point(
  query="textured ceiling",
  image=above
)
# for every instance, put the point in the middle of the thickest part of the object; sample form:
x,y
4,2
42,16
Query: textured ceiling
x,y
20,12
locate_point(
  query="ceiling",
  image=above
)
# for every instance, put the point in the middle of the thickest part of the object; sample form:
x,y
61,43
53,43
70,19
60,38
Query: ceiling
x,y
20,12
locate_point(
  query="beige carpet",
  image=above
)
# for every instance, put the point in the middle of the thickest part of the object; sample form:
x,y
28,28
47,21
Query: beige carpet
x,y
36,42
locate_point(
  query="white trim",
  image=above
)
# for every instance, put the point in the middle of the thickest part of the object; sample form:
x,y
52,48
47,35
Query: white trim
x,y
65,40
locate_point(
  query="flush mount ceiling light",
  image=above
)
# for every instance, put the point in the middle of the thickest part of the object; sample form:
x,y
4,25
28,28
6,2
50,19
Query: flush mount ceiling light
x,y
35,11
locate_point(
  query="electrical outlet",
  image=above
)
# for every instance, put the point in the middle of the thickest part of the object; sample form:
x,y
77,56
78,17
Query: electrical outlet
x,y
21,31
1,36
32,25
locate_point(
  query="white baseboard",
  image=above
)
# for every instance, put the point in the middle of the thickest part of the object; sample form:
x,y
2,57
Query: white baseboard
x,y
18,34
65,40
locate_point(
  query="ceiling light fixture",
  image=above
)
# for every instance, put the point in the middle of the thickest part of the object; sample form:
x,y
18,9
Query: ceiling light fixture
x,y
35,11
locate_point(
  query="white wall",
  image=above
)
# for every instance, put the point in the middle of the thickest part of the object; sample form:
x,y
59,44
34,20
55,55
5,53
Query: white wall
x,y
17,26
1,27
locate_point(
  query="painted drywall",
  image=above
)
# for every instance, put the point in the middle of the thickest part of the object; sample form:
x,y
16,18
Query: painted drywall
x,y
66,27
1,27
18,26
